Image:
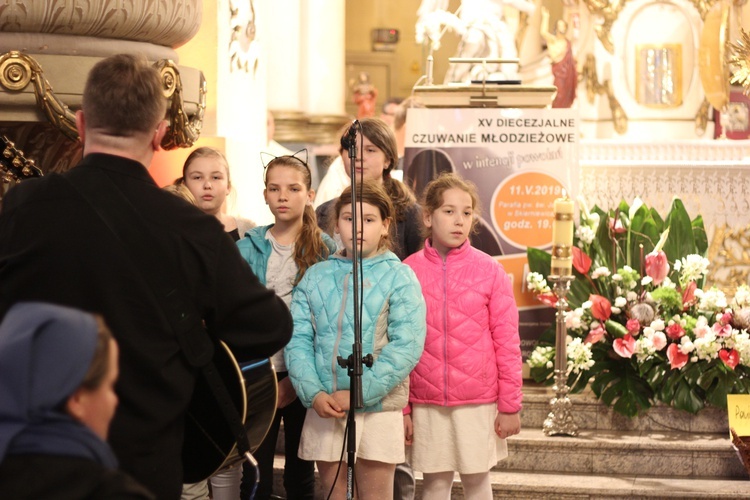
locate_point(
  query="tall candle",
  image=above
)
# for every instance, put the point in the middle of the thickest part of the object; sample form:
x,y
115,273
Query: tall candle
x,y
562,237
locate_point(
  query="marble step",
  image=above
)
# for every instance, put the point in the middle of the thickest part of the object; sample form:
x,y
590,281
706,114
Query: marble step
x,y
562,486
589,413
549,486
641,453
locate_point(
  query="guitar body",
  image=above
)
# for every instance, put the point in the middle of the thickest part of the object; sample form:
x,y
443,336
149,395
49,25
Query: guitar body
x,y
209,444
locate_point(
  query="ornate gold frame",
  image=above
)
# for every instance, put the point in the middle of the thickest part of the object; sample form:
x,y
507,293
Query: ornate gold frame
x,y
594,87
17,70
677,70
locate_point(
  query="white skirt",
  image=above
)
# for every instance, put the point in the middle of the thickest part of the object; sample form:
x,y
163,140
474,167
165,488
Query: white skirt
x,y
380,437
456,438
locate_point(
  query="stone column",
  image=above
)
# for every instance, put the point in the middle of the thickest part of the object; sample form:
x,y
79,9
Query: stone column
x,y
323,64
282,49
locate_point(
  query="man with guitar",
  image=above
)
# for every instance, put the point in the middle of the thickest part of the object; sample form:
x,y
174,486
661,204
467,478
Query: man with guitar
x,y
169,282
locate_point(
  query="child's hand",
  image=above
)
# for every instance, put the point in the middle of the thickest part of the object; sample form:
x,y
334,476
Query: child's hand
x,y
408,430
507,424
326,406
342,399
286,393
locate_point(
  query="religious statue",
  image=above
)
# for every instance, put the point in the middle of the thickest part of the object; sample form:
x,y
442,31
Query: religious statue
x,y
560,53
365,94
484,34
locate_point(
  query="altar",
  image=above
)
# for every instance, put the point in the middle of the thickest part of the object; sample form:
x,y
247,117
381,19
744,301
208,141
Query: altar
x,y
712,178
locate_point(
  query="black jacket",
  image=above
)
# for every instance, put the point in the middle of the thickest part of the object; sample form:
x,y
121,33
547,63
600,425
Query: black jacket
x,y
55,248
47,477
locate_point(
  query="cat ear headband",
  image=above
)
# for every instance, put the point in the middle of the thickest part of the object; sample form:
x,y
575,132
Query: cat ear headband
x,y
267,158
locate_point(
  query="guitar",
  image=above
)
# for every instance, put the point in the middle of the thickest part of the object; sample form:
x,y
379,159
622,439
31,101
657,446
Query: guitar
x,y
209,444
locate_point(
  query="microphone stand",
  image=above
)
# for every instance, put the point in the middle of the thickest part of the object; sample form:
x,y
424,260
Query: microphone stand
x,y
353,363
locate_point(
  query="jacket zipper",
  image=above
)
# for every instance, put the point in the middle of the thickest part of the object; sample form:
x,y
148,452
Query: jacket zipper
x,y
334,360
445,334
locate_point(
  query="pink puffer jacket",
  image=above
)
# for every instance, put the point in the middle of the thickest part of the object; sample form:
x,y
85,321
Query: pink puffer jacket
x,y
472,352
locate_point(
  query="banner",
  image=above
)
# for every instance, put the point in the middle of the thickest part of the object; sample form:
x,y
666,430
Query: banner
x,y
521,160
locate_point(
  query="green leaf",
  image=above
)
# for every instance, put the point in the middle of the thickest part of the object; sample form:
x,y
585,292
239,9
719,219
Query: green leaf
x,y
717,381
643,231
622,388
615,329
658,221
539,261
602,245
541,375
699,235
686,398
680,241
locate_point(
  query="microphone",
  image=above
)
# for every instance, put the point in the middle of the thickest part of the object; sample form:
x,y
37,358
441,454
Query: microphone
x,y
351,139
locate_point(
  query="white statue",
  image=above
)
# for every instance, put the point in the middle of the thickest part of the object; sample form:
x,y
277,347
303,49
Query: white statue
x,y
484,34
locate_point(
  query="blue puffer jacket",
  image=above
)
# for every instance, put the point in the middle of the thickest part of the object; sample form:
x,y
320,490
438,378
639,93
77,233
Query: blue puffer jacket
x,y
255,248
393,330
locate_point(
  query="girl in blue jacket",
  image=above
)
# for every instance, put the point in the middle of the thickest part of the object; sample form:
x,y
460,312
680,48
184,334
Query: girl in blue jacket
x,y
279,255
393,331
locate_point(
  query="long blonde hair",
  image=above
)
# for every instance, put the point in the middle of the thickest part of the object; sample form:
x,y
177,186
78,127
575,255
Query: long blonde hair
x,y
309,248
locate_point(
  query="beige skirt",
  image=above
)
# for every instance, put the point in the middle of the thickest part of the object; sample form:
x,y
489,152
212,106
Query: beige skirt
x,y
380,436
457,438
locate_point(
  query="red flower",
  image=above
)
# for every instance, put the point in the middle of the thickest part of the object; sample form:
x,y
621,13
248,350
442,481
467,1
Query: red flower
x,y
581,261
676,358
624,346
633,326
601,309
657,266
731,358
688,295
595,335
548,298
675,331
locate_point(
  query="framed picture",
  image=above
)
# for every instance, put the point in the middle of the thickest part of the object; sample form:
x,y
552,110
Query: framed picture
x,y
735,122
659,75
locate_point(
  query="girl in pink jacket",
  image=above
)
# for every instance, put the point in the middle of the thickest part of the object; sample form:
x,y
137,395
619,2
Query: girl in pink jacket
x,y
465,393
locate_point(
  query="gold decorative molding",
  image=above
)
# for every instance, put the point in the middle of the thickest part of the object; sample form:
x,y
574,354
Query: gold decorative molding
x,y
594,87
730,258
14,166
243,49
17,70
608,10
740,61
182,131
701,117
703,6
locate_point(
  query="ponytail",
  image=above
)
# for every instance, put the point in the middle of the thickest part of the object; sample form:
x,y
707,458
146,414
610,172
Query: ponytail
x,y
309,248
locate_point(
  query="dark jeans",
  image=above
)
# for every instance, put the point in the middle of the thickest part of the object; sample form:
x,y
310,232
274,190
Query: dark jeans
x,y
299,475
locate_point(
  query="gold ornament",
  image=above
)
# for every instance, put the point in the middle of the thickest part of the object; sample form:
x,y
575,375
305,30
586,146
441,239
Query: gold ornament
x,y
740,61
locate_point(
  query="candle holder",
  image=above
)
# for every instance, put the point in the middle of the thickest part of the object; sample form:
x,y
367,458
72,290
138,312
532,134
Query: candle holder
x,y
559,421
